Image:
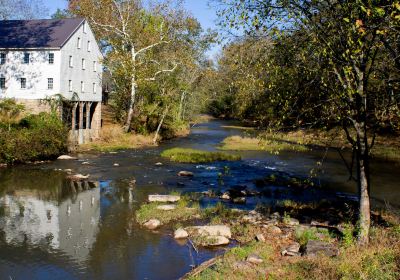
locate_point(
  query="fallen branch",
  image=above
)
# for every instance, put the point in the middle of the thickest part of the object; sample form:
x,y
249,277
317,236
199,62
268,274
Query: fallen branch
x,y
201,268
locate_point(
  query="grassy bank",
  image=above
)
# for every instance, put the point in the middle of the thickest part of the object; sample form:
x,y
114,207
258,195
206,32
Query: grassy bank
x,y
379,260
386,147
272,145
113,138
32,138
196,156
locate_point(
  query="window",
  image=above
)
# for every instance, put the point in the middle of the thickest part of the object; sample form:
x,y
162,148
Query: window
x,y
79,43
26,58
2,83
51,58
94,87
23,83
89,46
2,58
50,83
82,87
94,66
84,27
71,61
70,85
83,64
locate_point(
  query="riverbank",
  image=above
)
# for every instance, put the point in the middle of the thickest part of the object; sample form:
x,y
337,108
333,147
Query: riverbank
x,y
289,240
385,147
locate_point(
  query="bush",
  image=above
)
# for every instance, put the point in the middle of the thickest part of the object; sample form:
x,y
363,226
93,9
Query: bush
x,y
36,137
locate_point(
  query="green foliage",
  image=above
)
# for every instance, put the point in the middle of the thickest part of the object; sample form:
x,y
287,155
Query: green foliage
x,y
9,112
196,156
181,213
37,137
348,235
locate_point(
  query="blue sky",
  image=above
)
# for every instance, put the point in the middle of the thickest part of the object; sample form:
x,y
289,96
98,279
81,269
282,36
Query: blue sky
x,y
199,9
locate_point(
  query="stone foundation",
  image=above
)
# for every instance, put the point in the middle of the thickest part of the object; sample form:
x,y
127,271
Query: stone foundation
x,y
83,117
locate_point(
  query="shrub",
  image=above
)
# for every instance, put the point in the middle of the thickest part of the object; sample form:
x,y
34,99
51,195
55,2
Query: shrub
x,y
37,137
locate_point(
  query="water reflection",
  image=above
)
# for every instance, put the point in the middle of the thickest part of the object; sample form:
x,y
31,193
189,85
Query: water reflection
x,y
64,221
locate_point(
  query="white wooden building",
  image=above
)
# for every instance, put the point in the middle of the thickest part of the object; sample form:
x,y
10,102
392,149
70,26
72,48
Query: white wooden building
x,y
52,57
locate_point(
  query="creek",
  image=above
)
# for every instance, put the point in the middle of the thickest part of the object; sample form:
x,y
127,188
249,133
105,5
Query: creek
x,y
50,231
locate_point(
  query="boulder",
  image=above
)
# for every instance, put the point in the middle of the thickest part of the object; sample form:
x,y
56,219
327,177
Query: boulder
x,y
65,157
274,229
216,230
85,163
214,240
316,247
78,177
164,198
166,207
239,200
152,224
185,174
275,215
254,259
260,237
180,233
292,250
225,196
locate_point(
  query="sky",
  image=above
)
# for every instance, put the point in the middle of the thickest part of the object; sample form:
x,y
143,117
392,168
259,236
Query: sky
x,y
199,9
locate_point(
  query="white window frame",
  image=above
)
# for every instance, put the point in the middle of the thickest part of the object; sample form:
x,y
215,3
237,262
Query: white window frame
x,y
79,44
84,27
71,61
50,83
51,58
70,85
89,46
3,58
94,66
82,86
23,84
94,88
83,64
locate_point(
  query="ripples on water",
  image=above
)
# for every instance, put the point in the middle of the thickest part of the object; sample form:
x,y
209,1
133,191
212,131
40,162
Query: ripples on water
x,y
50,229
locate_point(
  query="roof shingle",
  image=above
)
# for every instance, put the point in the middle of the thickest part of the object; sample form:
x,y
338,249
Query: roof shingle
x,y
44,33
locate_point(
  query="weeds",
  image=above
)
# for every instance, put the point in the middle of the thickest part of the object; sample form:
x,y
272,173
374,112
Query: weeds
x,y
196,156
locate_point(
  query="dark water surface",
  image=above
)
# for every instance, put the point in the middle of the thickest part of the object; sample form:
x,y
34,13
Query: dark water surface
x,y
49,230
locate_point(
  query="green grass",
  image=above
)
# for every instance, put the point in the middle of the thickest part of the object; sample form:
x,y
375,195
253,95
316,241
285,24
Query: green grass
x,y
238,143
196,156
181,213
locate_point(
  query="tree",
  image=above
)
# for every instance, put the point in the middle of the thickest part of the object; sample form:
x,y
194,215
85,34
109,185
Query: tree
x,y
131,34
9,112
22,9
348,37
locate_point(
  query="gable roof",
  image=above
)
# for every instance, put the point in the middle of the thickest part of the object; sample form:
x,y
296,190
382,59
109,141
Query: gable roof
x,y
43,33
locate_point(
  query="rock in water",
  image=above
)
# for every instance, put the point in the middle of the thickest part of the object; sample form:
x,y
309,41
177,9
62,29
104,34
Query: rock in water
x,y
180,233
185,174
225,196
152,224
214,240
164,198
316,247
65,157
166,207
216,230
78,177
158,163
239,200
254,259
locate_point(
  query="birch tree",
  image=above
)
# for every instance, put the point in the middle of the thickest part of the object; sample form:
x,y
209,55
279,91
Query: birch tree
x,y
130,34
